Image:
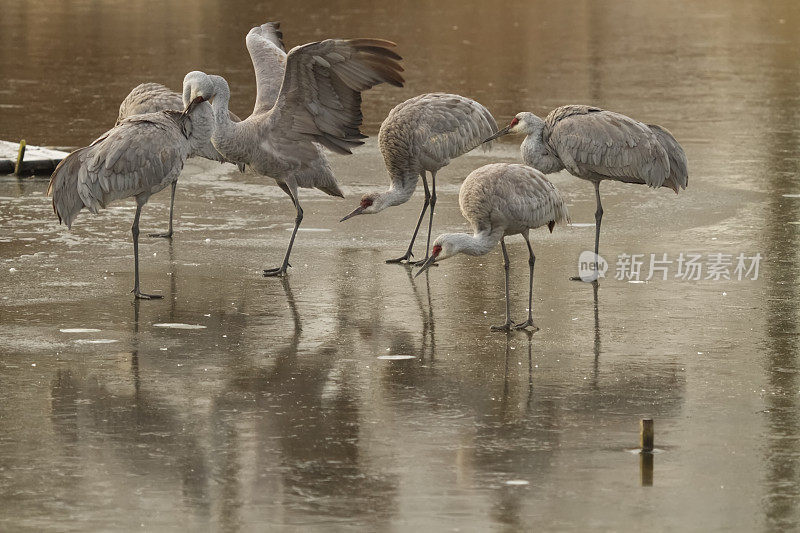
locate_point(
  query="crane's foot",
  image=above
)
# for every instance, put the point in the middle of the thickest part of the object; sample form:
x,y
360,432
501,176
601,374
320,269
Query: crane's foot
x,y
504,328
167,235
142,296
527,324
406,257
277,271
578,278
422,262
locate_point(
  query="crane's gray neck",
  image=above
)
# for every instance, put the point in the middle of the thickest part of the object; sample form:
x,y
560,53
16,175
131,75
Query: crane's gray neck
x,y
479,243
398,193
534,150
226,135
222,117
202,126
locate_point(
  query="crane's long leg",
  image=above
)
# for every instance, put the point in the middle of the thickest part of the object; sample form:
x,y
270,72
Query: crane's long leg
x,y
531,262
168,234
281,270
408,255
506,266
598,218
430,220
135,232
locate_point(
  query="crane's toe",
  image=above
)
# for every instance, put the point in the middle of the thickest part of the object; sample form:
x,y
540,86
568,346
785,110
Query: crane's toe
x,y
277,271
142,296
167,235
406,257
504,328
526,324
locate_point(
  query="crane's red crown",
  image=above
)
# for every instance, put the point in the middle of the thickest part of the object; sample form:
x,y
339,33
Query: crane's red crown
x,y
366,202
514,122
437,249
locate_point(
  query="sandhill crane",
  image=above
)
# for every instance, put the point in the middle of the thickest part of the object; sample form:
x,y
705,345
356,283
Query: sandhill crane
x,y
305,100
138,157
154,97
596,145
423,134
498,200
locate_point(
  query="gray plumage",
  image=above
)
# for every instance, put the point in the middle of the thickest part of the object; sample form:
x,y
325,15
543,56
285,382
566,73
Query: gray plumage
x,y
318,104
423,134
596,145
139,157
148,98
499,200
268,54
154,97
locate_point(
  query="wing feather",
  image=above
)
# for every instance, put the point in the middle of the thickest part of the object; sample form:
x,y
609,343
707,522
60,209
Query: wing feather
x,y
141,155
153,97
511,195
320,98
591,141
148,98
268,53
678,164
441,126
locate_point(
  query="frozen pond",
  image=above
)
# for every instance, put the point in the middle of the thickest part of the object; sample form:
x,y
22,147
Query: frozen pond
x,y
352,396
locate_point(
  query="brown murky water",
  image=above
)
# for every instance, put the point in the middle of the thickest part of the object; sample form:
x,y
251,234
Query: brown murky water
x,y
276,410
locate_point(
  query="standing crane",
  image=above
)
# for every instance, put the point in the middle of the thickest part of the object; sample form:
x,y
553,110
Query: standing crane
x,y
138,157
499,200
422,135
596,145
154,97
307,99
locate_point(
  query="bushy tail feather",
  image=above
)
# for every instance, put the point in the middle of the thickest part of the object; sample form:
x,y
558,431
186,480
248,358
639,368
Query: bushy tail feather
x,y
63,187
331,189
560,211
678,165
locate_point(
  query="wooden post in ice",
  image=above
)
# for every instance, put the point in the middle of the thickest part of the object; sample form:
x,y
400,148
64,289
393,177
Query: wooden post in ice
x,y
646,435
20,156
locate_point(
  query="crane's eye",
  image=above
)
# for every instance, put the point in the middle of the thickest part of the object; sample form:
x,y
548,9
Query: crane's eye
x,y
514,122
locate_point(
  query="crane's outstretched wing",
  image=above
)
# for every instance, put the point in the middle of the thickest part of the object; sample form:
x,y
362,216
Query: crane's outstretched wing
x,y
148,98
320,98
265,44
591,140
451,126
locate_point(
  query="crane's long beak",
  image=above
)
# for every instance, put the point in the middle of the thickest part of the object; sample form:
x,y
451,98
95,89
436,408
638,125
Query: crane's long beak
x,y
498,134
431,259
357,211
194,103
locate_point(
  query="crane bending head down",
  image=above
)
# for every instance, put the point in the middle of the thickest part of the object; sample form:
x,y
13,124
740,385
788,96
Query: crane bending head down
x,y
370,204
196,85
